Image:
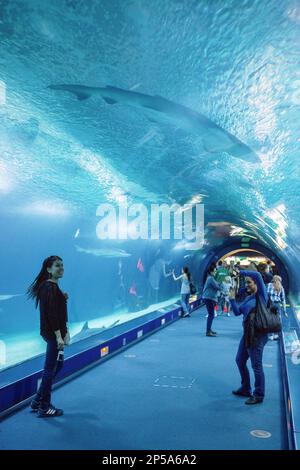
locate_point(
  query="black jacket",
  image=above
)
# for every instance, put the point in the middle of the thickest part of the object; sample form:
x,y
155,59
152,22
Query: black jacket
x,y
53,310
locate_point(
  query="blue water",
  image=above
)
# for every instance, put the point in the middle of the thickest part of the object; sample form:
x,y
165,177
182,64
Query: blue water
x,y
234,64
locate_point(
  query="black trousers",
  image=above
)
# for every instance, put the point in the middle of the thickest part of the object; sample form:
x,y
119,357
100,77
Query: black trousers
x,y
51,368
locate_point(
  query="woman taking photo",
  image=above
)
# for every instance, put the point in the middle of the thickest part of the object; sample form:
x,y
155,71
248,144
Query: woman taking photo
x,y
185,291
254,286
53,328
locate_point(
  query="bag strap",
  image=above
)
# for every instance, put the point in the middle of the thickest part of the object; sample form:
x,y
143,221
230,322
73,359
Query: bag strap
x,y
265,305
259,300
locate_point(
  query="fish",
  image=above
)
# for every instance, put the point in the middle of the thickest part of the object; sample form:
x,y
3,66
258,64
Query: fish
x,y
9,296
215,139
86,331
140,265
104,252
132,290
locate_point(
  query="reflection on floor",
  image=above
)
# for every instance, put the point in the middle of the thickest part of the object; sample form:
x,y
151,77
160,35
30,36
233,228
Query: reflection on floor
x,y
23,346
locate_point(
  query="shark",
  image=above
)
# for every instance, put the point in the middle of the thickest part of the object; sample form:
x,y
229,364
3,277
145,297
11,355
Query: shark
x,y
86,331
214,138
9,296
104,252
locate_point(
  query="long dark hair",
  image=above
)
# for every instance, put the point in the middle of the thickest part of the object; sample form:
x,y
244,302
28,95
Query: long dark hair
x,y
211,269
187,272
33,289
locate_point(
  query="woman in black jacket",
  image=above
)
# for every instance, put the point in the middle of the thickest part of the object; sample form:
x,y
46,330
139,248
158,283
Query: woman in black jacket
x,y
53,328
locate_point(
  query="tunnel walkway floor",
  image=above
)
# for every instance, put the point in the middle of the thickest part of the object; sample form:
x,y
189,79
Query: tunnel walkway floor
x,y
170,391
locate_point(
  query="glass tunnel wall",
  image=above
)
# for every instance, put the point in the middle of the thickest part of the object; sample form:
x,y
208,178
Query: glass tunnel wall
x,y
108,282
182,103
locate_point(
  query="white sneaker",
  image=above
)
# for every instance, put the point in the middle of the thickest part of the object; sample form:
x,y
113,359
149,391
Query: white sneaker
x,y
271,337
216,314
206,316
228,314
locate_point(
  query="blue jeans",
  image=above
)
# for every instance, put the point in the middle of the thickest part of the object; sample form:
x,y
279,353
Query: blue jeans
x,y
256,355
210,306
224,301
51,368
185,303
